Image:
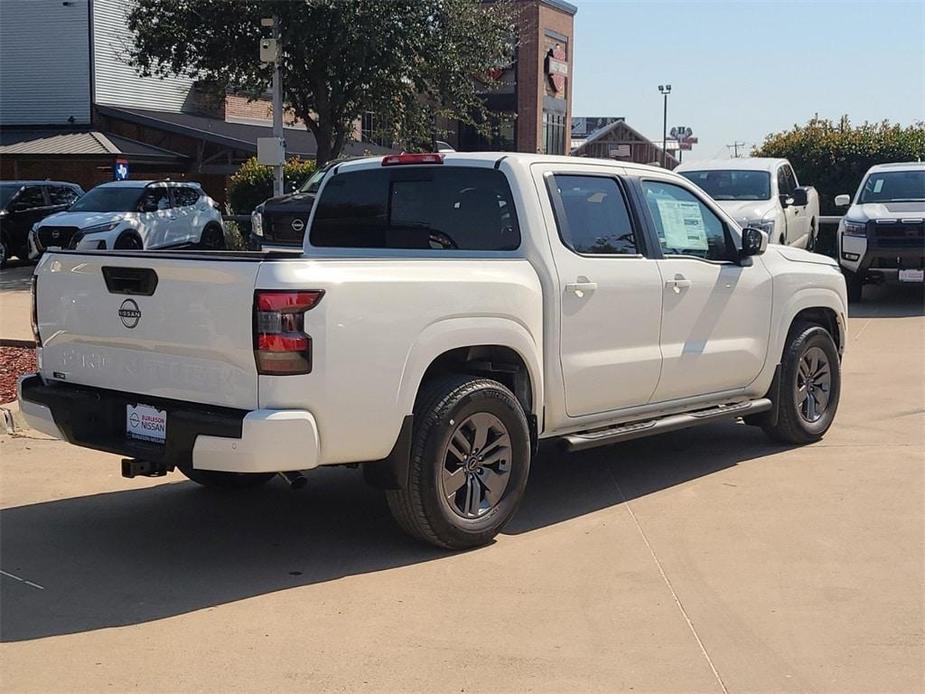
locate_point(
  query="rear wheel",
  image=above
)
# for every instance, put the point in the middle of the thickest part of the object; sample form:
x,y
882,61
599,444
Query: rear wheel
x,y
470,459
212,238
810,386
226,480
128,242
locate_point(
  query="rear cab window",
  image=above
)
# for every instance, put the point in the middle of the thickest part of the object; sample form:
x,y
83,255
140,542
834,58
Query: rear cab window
x,y
442,208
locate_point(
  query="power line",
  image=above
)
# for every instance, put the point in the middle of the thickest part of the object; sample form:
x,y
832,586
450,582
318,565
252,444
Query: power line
x,y
735,148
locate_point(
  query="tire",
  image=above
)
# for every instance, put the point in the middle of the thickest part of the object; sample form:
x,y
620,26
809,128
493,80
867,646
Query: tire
x,y
810,363
226,480
855,286
212,238
4,253
450,416
128,242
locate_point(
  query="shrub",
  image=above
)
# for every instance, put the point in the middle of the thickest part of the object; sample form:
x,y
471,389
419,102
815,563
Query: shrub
x,y
834,157
253,182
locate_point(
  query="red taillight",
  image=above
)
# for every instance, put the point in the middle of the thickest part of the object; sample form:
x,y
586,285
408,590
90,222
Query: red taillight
x,y
281,345
421,158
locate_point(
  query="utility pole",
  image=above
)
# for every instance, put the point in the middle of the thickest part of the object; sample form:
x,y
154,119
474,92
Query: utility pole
x,y
278,183
735,148
665,90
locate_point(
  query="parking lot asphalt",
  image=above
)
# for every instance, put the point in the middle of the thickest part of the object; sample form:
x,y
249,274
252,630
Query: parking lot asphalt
x,y
705,561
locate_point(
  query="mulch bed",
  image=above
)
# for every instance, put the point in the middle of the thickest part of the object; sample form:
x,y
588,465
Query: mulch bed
x,y
14,362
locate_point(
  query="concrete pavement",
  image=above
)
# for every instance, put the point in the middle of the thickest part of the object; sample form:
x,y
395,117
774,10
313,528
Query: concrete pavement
x,y
706,561
15,301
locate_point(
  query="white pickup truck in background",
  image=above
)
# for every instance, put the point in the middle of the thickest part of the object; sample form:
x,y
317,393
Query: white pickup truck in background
x,y
882,235
762,194
447,313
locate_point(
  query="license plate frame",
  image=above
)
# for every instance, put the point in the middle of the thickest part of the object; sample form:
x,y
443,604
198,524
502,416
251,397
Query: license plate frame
x,y
145,423
912,275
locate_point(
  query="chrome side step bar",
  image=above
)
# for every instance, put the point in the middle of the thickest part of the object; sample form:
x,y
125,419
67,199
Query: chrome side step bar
x,y
672,422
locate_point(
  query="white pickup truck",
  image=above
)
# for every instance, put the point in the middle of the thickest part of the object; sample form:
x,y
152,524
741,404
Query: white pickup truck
x,y
763,194
448,312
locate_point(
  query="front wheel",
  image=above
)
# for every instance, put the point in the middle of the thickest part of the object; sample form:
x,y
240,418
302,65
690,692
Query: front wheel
x,y
810,386
855,286
470,459
4,253
226,480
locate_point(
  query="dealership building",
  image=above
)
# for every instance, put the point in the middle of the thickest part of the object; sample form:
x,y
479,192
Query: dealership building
x,y
72,108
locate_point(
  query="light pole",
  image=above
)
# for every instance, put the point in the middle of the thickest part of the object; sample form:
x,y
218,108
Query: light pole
x,y
665,90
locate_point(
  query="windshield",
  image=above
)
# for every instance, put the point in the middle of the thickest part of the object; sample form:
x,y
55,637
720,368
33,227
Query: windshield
x,y
314,181
894,186
7,191
108,200
732,184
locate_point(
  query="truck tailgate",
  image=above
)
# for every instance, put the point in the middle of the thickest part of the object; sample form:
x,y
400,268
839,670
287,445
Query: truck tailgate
x,y
177,328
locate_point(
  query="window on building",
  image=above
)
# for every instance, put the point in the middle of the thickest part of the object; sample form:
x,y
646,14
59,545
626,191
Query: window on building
x,y
596,220
452,208
376,130
684,225
553,132
500,138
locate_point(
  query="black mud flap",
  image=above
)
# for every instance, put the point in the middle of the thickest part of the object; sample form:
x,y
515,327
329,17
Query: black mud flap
x,y
392,472
769,418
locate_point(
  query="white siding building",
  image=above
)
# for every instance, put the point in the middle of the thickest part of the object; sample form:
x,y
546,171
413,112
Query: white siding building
x,y
47,48
116,83
44,62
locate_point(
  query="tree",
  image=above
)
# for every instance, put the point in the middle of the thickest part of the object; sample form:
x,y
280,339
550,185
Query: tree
x,y
253,183
408,61
834,157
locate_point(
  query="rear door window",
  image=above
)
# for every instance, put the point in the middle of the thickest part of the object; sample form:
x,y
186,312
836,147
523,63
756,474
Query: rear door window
x,y
29,198
437,208
62,195
594,219
185,196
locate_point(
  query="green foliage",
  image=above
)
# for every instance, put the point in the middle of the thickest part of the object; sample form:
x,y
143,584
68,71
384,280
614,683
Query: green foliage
x,y
253,183
834,157
408,61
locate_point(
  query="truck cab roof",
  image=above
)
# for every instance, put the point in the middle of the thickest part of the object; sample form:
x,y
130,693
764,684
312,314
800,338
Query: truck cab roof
x,y
769,164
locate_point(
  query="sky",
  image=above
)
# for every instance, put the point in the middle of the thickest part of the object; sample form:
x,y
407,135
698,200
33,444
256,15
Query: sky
x,y
740,70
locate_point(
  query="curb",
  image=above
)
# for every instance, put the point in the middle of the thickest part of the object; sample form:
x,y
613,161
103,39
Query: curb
x,y
12,419
13,342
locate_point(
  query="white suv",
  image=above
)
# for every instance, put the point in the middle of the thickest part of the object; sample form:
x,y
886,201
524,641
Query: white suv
x,y
136,215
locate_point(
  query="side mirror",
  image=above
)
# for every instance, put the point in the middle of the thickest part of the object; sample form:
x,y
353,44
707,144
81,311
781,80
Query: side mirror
x,y
754,242
785,200
800,197
147,206
843,200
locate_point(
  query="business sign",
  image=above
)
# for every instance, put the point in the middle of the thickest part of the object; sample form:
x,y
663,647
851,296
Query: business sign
x,y
120,170
556,67
619,151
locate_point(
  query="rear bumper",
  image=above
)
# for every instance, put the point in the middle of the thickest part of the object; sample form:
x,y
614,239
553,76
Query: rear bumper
x,y
208,437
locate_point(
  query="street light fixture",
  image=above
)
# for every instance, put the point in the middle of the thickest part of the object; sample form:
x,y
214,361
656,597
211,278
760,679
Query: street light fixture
x,y
665,90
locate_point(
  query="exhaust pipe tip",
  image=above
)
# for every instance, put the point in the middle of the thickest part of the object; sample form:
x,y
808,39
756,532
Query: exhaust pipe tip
x,y
295,480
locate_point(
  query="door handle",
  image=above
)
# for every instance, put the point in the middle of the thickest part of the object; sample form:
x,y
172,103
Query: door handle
x,y
677,284
579,288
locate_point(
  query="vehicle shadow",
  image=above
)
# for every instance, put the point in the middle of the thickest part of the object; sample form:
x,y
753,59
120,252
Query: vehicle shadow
x,y
17,275
890,301
129,557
